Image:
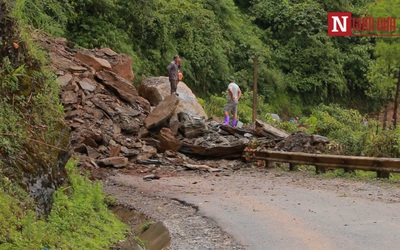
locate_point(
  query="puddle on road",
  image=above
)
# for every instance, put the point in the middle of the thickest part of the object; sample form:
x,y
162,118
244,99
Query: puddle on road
x,y
156,237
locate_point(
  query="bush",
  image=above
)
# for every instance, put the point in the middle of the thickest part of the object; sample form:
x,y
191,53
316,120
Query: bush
x,y
341,125
214,107
384,144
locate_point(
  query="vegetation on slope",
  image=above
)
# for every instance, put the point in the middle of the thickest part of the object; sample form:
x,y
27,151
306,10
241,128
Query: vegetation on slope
x,y
33,153
79,218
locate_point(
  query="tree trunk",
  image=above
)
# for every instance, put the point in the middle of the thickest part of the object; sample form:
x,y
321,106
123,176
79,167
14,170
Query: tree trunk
x,y
396,102
255,90
386,112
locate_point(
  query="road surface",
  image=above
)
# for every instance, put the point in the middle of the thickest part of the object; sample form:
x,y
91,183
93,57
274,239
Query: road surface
x,y
281,210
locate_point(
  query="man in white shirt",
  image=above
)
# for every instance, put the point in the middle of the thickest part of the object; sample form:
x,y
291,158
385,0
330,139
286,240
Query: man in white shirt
x,y
234,94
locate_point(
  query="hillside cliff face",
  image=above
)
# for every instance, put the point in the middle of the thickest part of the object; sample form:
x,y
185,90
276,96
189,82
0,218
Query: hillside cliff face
x,y
33,136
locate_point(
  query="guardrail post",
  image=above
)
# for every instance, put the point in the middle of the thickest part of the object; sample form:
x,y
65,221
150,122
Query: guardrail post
x,y
382,174
292,167
348,170
269,164
320,170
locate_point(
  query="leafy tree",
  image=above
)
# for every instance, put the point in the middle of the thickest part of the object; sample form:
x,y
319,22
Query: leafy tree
x,y
213,38
316,68
95,24
384,74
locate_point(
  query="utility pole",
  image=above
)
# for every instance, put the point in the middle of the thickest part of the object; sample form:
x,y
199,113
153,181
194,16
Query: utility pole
x,y
255,91
396,99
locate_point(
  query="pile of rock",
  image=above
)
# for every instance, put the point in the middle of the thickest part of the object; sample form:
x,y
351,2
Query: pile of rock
x,y
115,125
303,142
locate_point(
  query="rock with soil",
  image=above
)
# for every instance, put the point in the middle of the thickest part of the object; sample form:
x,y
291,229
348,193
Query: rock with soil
x,y
303,142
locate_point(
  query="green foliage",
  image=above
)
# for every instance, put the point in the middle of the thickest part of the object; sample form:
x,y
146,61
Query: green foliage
x,y
316,68
79,219
245,108
382,73
289,127
214,39
140,241
13,206
11,130
214,107
354,175
10,77
30,107
48,15
347,128
384,144
341,125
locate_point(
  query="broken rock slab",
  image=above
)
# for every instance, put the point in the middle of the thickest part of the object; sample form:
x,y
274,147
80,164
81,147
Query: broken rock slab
x,y
123,67
161,112
87,84
264,129
92,61
168,141
191,126
122,87
226,152
116,162
64,80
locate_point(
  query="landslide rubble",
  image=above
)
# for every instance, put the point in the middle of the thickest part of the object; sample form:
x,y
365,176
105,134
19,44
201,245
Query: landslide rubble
x,y
147,131
114,125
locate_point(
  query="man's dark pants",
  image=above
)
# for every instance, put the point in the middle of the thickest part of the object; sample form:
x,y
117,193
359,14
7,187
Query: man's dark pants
x,y
174,85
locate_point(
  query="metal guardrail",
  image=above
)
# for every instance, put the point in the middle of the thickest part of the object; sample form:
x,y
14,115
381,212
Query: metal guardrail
x,y
382,166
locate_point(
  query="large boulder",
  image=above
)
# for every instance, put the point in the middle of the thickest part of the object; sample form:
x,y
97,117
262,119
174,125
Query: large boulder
x,y
156,89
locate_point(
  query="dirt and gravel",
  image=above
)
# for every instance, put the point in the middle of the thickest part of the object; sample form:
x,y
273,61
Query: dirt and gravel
x,y
258,208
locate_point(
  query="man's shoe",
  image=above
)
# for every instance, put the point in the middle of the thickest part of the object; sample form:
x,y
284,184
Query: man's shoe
x,y
226,122
234,122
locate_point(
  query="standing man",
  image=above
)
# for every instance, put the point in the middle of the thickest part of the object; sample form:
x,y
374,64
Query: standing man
x,y
234,94
173,68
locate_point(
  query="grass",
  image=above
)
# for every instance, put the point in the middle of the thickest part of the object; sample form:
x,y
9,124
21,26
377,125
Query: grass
x,y
140,241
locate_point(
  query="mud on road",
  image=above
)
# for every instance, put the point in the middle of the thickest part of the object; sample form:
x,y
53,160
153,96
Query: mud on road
x,y
258,208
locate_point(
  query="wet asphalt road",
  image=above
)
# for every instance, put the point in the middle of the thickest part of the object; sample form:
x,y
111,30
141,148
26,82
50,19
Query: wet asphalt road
x,y
270,212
